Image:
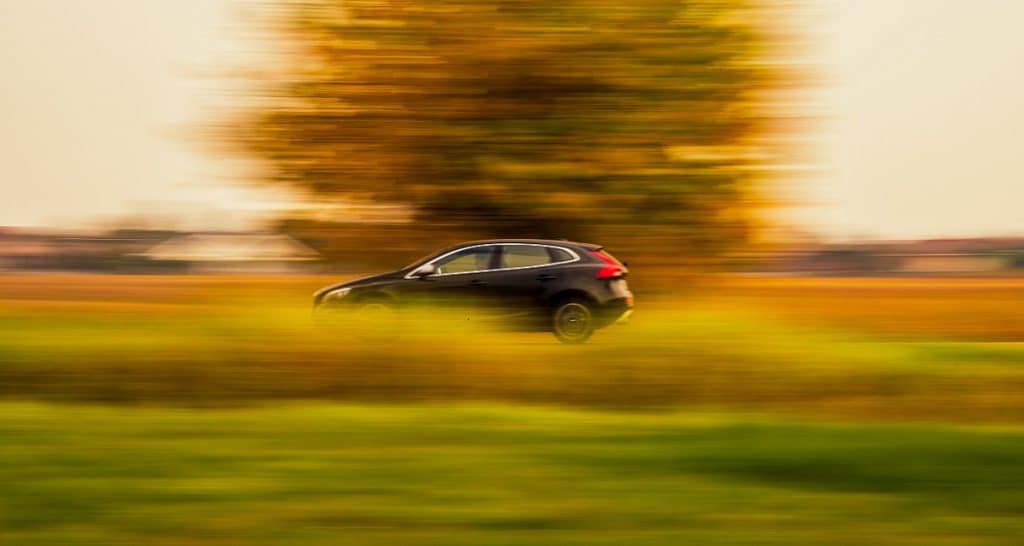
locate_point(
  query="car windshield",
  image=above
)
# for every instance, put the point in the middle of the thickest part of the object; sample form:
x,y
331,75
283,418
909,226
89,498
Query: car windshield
x,y
425,259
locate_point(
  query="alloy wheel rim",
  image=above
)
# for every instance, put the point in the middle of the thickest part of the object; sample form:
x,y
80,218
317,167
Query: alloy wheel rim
x,y
573,320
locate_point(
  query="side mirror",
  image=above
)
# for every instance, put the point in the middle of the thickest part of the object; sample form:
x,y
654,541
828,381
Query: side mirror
x,y
423,271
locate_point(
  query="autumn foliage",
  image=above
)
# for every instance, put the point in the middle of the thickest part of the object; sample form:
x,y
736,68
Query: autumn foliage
x,y
629,123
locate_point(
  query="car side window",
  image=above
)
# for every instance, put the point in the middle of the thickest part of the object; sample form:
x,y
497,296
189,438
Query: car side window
x,y
559,254
466,260
524,256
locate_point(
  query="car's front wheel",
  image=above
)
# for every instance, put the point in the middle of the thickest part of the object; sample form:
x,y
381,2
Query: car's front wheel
x,y
377,320
375,311
572,321
370,320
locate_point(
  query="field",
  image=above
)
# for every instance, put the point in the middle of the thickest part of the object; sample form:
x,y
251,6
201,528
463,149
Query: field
x,y
209,410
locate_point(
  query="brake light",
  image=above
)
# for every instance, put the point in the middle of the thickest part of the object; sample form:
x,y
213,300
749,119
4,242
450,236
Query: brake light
x,y
612,268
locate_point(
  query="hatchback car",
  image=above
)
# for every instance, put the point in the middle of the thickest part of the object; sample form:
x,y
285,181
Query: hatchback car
x,y
569,288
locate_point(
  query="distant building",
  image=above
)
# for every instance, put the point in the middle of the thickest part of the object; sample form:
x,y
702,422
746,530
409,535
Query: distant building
x,y
236,253
946,264
939,257
17,249
23,249
959,256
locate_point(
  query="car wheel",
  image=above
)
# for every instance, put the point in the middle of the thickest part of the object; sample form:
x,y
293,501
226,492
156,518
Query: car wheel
x,y
572,321
377,320
372,320
375,311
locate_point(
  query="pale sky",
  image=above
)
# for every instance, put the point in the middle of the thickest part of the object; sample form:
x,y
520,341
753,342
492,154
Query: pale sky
x,y
99,98
925,136
923,100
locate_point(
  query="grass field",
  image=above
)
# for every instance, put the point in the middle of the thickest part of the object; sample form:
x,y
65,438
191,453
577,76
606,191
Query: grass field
x,y
482,475
855,349
208,410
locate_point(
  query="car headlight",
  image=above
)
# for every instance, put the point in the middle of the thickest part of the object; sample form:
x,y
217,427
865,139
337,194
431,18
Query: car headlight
x,y
338,294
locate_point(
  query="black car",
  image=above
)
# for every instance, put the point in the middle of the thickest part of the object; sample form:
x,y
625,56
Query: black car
x,y
568,288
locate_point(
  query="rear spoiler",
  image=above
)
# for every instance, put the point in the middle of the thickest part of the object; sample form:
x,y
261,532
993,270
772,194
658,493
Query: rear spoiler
x,y
590,247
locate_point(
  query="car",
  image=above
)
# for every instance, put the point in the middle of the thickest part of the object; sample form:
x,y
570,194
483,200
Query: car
x,y
569,288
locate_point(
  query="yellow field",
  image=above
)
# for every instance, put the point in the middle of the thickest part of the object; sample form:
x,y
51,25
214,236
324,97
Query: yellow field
x,y
970,309
967,309
886,349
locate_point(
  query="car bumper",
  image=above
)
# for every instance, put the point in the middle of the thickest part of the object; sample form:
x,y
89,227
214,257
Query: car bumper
x,y
616,311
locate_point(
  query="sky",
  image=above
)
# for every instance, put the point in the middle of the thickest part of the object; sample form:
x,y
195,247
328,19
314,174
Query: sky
x,y
100,100
921,131
924,120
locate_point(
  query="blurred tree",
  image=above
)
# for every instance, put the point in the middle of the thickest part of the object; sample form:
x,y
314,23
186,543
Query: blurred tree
x,y
638,121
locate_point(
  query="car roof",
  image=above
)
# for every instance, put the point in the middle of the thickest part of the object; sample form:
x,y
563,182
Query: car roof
x,y
555,242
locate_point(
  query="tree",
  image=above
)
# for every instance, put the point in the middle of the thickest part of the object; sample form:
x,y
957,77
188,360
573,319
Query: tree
x,y
636,122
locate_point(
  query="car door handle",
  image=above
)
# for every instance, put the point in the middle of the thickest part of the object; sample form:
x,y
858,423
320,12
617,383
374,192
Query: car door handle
x,y
477,282
546,277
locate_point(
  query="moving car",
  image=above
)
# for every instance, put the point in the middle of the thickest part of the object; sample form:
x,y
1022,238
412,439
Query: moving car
x,y
571,289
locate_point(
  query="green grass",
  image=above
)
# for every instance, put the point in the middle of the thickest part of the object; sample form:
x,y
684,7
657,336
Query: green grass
x,y
481,475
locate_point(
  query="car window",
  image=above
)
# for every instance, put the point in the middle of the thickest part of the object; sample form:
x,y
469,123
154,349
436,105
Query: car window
x,y
559,254
524,256
532,255
468,259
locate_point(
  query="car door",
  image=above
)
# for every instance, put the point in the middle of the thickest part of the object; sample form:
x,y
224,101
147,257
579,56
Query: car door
x,y
460,284
525,275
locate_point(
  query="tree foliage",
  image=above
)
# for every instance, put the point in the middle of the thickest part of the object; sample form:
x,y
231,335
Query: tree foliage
x,y
600,119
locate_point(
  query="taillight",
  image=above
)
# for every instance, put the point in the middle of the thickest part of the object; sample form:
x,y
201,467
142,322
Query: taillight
x,y
612,268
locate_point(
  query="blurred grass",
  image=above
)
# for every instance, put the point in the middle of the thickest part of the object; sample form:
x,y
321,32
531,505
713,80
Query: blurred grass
x,y
491,474
760,411
823,348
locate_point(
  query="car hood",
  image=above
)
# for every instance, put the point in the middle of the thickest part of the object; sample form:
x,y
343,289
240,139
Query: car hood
x,y
362,281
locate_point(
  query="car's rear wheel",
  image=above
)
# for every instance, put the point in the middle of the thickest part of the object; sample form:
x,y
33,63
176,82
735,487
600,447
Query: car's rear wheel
x,y
572,321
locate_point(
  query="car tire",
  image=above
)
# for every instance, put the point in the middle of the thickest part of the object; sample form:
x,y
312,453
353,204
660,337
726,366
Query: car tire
x,y
377,320
370,320
572,321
